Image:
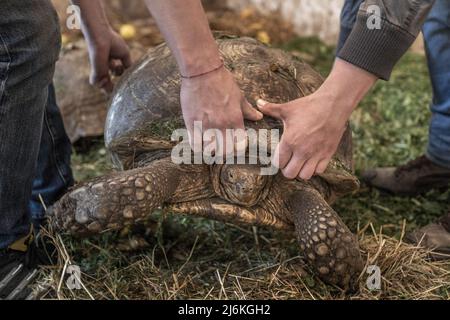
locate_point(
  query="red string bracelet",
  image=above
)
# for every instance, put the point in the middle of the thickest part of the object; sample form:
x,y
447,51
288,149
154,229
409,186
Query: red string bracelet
x,y
203,73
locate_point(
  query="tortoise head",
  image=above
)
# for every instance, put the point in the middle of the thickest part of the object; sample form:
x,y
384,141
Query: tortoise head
x,y
241,184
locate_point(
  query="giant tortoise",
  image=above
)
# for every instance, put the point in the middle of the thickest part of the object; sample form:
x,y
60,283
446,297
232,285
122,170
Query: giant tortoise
x,y
145,109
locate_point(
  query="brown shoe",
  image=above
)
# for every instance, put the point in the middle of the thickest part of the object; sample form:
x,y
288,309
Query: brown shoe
x,y
415,177
435,237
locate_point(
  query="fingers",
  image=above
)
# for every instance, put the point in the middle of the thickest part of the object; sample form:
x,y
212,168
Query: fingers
x,y
322,166
120,51
125,57
233,137
292,169
195,132
300,167
305,170
101,76
308,169
220,142
240,140
105,84
230,142
116,66
100,71
270,109
249,112
103,65
293,164
282,155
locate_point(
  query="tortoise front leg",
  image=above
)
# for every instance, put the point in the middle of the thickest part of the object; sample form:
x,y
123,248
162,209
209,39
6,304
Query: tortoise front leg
x,y
328,244
116,200
221,210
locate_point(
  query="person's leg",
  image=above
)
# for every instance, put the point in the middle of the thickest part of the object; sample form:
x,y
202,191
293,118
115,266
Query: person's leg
x,y
436,32
437,43
348,19
435,237
433,170
29,47
54,175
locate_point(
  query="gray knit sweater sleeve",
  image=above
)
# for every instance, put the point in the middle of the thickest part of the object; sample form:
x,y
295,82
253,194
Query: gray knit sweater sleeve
x,y
383,32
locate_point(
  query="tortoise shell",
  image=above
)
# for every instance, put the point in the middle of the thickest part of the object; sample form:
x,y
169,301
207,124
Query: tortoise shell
x,y
145,108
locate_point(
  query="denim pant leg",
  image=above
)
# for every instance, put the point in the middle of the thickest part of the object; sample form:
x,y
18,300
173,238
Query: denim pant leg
x,y
437,42
348,19
53,174
29,48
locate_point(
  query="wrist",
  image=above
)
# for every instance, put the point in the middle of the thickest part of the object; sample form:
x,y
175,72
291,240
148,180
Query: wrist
x,y
203,74
97,35
346,86
94,23
333,106
338,99
195,63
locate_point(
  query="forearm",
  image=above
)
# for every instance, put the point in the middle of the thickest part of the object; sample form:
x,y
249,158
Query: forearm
x,y
108,52
186,30
94,23
346,86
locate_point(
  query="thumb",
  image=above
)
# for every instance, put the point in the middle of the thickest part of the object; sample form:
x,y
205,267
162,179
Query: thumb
x,y
105,84
269,109
249,112
126,59
100,71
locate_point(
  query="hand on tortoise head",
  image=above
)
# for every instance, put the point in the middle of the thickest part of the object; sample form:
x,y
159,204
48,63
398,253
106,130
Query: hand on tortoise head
x,y
108,55
215,100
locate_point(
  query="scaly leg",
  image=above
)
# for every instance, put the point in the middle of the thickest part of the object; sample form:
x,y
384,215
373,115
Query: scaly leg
x,y
221,210
116,200
328,244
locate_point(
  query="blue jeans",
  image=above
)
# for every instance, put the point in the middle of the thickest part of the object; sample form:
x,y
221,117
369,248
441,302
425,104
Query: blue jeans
x,y
436,31
34,149
53,175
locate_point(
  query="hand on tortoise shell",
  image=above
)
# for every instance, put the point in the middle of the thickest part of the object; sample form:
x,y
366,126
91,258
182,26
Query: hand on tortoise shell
x,y
312,132
215,101
110,55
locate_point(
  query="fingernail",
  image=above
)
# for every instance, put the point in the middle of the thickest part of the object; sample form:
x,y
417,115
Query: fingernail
x,y
261,103
260,115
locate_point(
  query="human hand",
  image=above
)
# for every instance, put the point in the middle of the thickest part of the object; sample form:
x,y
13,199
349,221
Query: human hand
x,y
314,125
312,132
108,54
216,101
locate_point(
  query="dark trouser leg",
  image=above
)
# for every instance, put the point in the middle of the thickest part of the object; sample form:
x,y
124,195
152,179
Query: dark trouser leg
x,y
29,47
437,42
348,19
54,174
